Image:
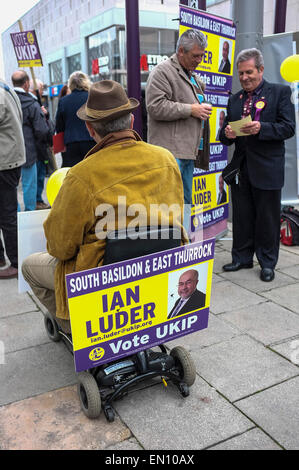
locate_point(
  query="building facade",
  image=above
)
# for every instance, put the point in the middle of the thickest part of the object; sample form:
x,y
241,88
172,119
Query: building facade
x,y
89,35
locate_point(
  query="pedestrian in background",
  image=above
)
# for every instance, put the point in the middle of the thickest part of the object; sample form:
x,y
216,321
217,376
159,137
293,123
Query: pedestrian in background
x,y
259,158
76,137
63,92
176,110
12,157
35,131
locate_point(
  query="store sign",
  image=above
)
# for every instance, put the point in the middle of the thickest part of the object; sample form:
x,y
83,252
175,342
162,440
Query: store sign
x,y
148,61
54,90
26,49
100,65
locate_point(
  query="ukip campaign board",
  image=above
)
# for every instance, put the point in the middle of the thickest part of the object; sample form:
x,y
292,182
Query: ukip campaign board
x,y
210,194
120,309
26,49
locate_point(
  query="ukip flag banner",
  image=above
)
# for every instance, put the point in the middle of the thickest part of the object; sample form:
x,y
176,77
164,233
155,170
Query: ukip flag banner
x,y
26,49
120,309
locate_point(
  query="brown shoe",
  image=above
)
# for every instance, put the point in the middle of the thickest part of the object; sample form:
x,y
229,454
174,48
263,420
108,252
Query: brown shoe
x,y
8,273
41,205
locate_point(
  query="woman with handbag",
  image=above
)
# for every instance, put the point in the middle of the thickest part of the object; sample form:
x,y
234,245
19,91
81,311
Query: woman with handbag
x,y
76,138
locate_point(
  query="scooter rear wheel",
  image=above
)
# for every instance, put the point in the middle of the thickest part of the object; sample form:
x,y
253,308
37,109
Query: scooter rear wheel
x,y
51,328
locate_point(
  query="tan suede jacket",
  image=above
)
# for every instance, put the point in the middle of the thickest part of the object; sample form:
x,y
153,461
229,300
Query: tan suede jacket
x,y
169,96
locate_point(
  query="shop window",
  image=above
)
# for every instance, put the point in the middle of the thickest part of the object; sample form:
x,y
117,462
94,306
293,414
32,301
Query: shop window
x,y
149,41
107,52
103,54
74,63
55,72
167,41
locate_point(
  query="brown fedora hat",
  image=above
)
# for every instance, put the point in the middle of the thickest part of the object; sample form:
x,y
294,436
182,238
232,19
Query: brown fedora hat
x,y
107,100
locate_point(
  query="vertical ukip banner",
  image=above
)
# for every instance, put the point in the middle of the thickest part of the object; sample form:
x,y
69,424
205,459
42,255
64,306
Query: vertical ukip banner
x,y
210,195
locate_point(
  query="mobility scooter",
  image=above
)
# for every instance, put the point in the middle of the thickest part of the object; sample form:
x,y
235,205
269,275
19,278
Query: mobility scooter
x,y
100,386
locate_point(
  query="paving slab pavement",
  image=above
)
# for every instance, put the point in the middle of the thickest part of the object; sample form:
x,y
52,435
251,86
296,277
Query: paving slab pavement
x,y
267,322
276,411
245,395
54,421
161,419
254,439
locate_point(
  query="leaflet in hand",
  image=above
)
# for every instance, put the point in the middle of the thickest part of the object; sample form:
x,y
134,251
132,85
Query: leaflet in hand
x,y
236,125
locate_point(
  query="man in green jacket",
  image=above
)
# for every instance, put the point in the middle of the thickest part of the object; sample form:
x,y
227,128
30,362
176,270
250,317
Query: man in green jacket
x,y
12,157
119,176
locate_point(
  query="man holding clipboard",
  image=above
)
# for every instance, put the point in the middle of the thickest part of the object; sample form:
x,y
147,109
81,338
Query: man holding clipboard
x,y
259,159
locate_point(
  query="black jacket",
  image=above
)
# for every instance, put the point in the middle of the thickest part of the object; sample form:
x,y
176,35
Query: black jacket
x,y
35,128
226,68
67,120
264,152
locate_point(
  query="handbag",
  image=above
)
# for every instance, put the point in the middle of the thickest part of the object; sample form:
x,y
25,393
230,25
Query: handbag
x,y
58,143
289,226
229,175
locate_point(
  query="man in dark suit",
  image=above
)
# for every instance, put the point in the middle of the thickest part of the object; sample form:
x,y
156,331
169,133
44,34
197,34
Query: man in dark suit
x,y
260,155
224,66
190,297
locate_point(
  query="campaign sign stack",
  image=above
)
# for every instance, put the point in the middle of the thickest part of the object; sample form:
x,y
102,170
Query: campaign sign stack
x,y
216,71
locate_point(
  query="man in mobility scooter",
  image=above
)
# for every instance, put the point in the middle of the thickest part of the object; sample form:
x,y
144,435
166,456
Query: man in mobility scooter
x,y
120,172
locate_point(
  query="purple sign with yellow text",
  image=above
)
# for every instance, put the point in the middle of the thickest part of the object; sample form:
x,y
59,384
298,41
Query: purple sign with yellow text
x,y
210,195
26,49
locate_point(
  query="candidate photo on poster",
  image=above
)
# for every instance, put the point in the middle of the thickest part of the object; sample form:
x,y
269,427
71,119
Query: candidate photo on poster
x,y
187,290
225,53
221,190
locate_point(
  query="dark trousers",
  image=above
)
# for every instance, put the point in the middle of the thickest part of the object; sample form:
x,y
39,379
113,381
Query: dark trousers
x,y
2,254
76,151
9,180
256,222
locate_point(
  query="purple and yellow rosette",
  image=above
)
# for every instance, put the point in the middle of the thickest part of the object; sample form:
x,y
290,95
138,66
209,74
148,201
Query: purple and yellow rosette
x,y
259,106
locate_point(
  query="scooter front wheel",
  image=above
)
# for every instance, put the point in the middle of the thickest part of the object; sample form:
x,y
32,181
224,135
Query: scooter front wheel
x,y
89,395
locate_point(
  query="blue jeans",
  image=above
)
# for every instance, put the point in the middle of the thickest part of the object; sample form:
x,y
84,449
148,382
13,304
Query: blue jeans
x,y
41,174
186,168
29,185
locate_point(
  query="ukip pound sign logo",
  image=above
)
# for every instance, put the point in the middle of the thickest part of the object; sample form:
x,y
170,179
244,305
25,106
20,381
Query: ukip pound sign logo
x,y
30,37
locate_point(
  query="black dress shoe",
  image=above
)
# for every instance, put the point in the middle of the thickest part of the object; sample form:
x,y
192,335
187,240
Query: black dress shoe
x,y
267,274
236,266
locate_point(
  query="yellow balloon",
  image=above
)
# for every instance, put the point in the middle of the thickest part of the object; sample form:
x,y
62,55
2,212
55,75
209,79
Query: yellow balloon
x,y
289,68
54,184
